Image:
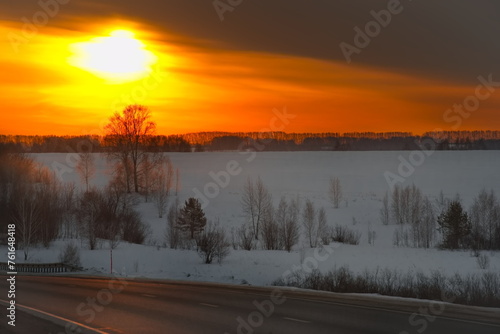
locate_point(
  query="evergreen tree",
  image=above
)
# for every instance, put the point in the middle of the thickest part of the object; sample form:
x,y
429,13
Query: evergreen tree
x,y
454,225
191,217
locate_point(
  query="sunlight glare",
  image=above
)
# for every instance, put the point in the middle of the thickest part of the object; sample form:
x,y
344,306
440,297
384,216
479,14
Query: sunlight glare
x,y
117,58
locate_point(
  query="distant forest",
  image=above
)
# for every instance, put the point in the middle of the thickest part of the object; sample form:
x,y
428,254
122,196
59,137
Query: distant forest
x,y
265,141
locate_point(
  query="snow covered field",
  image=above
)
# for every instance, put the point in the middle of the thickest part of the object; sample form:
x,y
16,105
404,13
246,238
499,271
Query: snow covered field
x,y
291,174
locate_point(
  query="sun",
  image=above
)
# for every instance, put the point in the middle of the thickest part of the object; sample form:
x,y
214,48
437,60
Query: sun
x,y
117,58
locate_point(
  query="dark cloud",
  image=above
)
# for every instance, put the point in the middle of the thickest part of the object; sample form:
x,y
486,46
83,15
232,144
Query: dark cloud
x,y
448,39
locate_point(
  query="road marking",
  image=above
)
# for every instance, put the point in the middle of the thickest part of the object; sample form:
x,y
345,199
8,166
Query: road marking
x,y
209,305
56,319
297,320
150,296
110,330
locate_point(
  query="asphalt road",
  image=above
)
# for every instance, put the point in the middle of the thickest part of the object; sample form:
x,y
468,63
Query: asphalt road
x,y
117,306
27,323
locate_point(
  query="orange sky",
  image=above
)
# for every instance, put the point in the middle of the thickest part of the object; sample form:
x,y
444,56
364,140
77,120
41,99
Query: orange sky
x,y
199,85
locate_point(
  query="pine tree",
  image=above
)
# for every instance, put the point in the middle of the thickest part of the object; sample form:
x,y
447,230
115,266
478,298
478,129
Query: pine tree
x,y
191,217
454,225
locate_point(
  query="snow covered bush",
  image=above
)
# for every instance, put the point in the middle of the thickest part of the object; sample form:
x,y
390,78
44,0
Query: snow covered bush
x,y
471,289
212,244
70,255
345,235
483,261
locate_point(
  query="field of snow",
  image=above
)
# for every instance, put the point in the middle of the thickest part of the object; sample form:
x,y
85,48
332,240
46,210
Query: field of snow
x,y
291,174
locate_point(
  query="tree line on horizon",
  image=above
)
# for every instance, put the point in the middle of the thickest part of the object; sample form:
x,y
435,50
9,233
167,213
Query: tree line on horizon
x,y
272,141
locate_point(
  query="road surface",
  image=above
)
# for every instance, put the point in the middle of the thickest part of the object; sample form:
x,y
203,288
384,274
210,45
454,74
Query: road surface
x,y
155,307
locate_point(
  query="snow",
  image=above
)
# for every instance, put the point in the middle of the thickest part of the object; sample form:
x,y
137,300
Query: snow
x,y
292,174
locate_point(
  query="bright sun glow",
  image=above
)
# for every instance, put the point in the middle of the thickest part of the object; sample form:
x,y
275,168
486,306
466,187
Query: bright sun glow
x,y
117,58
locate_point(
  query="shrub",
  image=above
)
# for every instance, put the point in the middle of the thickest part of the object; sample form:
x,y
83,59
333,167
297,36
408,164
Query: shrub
x,y
480,290
70,255
134,230
212,243
246,238
483,261
345,235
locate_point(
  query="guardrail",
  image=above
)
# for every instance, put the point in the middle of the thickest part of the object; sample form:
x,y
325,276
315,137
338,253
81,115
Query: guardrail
x,y
39,267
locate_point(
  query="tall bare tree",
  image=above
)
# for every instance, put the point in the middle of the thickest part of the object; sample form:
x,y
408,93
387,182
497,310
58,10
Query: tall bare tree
x,y
335,191
86,167
385,212
151,165
270,231
127,134
485,220
287,219
162,183
309,223
26,216
88,215
257,202
177,181
172,233
323,230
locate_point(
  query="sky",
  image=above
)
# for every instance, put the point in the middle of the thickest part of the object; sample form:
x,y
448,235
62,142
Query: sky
x,y
202,65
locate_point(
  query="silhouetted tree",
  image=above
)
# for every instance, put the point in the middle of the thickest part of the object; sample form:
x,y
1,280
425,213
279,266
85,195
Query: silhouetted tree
x,y
127,134
454,225
191,217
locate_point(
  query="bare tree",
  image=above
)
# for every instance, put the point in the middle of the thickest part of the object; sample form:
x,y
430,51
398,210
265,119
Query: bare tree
x,y
292,228
162,185
26,216
415,211
177,182
50,204
371,235
246,237
323,230
396,205
428,224
87,216
309,223
270,231
172,233
287,216
212,243
110,218
485,220
385,211
127,134
256,201
335,191
442,202
68,196
404,200
147,179
86,167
